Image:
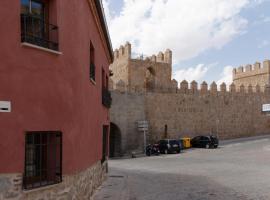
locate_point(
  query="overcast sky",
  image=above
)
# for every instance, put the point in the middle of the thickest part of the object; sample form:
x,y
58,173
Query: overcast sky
x,y
208,37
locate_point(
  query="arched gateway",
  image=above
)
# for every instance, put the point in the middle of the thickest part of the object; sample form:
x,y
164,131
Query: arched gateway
x,y
115,141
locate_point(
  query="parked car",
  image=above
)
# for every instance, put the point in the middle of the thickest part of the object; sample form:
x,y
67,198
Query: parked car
x,y
205,142
169,146
152,149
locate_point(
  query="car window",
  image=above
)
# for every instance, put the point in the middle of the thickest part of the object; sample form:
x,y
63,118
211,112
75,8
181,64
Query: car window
x,y
198,138
162,142
172,142
204,138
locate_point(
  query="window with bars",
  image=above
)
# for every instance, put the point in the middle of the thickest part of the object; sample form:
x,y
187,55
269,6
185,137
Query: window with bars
x,y
35,24
43,159
92,63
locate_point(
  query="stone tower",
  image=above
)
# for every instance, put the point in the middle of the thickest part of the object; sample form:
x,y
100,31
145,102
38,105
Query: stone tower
x,y
258,74
139,73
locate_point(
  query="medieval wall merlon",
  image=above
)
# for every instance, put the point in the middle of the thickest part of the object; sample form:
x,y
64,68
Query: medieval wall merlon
x,y
223,88
160,57
232,88
194,87
204,88
213,88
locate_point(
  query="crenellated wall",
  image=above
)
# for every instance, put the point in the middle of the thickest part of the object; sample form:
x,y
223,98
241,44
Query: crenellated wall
x,y
143,89
257,74
226,111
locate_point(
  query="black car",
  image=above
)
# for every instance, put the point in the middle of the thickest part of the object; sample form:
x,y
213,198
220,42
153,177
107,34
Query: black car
x,y
169,146
205,142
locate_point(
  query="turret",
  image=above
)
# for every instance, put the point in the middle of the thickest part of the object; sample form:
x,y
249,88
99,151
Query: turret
x,y
168,56
160,57
127,50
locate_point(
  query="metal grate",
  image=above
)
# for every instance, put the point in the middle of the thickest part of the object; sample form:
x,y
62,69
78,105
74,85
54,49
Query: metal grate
x,y
43,159
36,31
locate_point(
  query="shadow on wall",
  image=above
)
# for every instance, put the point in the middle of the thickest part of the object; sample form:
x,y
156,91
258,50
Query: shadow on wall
x,y
115,141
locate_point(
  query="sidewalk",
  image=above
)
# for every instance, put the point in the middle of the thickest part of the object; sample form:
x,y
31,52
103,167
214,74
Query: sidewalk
x,y
114,188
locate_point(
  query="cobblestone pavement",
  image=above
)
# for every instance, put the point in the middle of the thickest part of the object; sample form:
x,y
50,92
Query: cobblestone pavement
x,y
234,171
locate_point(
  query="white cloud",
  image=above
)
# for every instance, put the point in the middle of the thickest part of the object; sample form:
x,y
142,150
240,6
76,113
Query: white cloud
x,y
193,73
263,44
186,27
226,76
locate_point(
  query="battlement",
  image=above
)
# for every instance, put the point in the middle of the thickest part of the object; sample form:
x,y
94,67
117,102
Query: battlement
x,y
192,88
204,89
125,52
251,70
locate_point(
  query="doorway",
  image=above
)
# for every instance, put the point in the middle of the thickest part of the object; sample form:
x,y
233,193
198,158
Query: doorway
x,y
115,141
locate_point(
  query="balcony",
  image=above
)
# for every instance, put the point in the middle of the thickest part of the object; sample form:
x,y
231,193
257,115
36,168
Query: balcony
x,y
106,98
38,32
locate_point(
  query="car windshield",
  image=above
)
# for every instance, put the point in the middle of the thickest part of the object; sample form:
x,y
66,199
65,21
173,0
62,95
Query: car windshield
x,y
172,142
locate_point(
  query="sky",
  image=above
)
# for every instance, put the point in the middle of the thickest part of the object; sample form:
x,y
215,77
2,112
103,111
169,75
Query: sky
x,y
208,38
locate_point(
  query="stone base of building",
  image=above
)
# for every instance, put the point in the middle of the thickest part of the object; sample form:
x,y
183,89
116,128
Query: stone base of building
x,y
80,186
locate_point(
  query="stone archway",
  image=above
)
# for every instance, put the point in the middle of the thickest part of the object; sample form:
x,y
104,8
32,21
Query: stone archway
x,y
150,79
115,141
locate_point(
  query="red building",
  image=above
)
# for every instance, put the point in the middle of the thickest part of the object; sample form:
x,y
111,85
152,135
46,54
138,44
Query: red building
x,y
54,99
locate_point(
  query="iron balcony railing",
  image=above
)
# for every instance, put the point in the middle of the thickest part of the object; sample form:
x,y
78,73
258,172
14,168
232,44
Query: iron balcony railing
x,y
106,98
38,32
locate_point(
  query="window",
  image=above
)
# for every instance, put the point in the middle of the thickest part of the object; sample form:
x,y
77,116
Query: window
x,y
106,94
35,26
103,79
43,159
92,63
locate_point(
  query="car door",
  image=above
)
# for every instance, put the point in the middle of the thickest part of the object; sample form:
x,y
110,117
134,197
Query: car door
x,y
162,145
204,141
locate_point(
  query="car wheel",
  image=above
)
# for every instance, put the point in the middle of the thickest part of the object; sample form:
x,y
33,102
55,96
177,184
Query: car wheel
x,y
207,146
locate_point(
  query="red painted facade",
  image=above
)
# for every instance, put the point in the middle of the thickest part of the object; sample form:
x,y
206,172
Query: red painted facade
x,y
50,92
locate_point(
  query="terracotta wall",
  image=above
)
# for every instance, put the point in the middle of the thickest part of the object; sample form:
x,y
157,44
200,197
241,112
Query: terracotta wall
x,y
49,91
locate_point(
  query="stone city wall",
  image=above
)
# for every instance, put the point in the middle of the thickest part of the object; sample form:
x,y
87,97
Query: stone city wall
x,y
80,186
189,111
143,89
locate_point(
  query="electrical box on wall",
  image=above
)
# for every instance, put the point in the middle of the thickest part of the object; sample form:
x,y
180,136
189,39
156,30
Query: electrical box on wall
x,y
5,106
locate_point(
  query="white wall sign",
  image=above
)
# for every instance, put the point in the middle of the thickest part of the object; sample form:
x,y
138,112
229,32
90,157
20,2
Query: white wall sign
x,y
143,125
5,106
266,107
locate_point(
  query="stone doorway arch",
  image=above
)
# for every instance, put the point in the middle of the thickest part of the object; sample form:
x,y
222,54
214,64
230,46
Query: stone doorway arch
x,y
150,79
115,141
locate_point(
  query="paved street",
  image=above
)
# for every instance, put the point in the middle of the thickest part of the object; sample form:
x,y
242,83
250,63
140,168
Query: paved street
x,y
236,170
